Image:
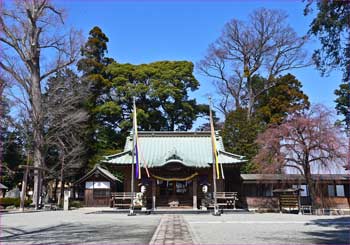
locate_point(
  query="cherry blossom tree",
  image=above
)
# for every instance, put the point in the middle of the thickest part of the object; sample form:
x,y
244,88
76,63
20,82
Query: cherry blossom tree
x,y
308,142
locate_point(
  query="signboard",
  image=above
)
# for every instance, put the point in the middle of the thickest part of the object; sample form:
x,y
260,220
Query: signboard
x,y
97,185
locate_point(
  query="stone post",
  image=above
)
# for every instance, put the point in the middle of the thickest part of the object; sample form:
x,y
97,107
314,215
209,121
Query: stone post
x,y
66,200
194,183
154,190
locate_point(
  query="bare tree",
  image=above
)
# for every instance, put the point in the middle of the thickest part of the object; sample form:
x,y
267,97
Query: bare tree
x,y
65,122
306,142
264,45
34,46
2,120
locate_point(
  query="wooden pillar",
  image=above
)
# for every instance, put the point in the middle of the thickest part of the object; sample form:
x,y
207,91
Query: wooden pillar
x,y
154,190
194,183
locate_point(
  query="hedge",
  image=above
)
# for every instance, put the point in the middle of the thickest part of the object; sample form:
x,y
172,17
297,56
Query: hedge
x,y
10,201
75,204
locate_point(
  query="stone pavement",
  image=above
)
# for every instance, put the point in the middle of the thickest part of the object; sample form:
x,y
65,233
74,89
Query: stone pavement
x,y
89,226
82,226
270,228
173,229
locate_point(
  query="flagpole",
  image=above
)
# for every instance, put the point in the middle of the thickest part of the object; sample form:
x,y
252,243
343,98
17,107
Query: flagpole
x,y
216,211
131,211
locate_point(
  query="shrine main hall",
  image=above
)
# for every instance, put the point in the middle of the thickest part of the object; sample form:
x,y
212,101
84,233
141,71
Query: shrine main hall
x,y
179,165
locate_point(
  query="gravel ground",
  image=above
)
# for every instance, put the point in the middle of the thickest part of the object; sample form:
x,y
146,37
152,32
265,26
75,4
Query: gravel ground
x,y
270,229
78,226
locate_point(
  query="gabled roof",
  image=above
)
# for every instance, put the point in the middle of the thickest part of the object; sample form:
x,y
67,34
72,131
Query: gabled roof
x,y
157,148
100,170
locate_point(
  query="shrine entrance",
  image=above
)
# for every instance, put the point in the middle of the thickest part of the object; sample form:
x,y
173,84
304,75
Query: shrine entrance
x,y
179,193
176,186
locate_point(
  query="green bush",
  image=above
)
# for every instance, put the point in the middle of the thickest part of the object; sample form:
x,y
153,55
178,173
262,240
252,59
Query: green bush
x,y
8,201
75,204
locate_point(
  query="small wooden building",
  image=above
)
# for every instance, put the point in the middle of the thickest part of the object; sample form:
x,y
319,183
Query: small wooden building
x,y
333,190
3,189
96,186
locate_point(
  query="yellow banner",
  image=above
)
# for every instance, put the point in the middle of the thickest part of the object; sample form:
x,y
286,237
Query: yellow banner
x,y
213,143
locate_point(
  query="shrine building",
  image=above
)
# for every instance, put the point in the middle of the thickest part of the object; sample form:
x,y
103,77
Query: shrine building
x,y
179,164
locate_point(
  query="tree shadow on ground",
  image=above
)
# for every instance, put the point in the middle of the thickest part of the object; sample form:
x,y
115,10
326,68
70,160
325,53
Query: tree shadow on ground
x,y
77,233
338,231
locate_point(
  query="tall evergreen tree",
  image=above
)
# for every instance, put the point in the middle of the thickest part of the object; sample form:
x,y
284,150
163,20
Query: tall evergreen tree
x,y
284,98
101,104
239,135
343,103
162,94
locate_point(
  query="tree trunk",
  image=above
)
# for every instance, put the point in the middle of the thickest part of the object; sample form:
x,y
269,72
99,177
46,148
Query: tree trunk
x,y
62,181
2,87
24,186
38,142
250,98
237,103
310,186
61,192
55,190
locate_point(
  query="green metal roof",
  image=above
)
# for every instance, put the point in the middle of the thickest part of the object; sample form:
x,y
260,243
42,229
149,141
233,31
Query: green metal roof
x,y
157,148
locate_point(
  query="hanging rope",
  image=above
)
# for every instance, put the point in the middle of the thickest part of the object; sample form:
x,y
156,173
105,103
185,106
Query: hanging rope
x,y
175,179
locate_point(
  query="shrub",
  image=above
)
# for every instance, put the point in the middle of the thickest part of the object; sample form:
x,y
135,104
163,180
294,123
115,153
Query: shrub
x,y
75,204
9,201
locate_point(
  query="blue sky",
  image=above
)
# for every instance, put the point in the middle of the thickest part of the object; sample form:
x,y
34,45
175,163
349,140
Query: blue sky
x,y
146,31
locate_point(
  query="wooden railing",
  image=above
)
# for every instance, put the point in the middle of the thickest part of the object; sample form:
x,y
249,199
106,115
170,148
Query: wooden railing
x,y
121,199
226,199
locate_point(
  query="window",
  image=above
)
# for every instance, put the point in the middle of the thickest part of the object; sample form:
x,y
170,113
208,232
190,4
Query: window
x,y
89,185
267,190
340,190
251,190
97,185
331,191
181,187
336,191
304,192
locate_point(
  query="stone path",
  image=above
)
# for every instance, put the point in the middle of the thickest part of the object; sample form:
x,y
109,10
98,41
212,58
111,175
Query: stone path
x,y
173,229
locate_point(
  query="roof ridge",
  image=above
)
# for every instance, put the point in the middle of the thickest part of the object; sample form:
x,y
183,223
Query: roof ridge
x,y
174,132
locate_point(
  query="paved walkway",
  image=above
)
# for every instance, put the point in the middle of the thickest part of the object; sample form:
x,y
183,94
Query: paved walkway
x,y
173,229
